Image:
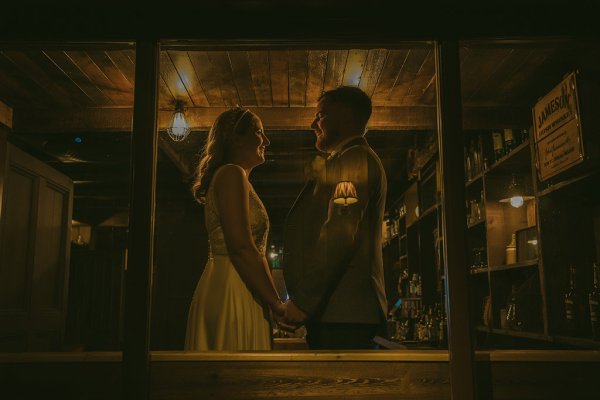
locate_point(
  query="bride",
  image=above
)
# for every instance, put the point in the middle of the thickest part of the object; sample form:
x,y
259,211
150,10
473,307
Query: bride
x,y
231,303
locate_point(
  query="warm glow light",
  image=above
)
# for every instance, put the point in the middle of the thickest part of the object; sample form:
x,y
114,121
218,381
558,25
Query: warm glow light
x,y
533,242
178,128
345,193
516,201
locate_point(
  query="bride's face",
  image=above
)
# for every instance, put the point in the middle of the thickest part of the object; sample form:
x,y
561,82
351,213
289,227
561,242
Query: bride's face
x,y
252,144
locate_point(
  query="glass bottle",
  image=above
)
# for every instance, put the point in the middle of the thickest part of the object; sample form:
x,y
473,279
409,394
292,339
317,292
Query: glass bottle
x,y
512,311
572,304
509,140
594,302
498,143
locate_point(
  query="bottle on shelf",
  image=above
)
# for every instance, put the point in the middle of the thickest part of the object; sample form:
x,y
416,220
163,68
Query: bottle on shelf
x,y
594,302
498,143
511,250
524,135
468,164
509,140
512,311
572,305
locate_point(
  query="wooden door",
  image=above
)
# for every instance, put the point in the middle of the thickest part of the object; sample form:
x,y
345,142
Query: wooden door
x,y
35,224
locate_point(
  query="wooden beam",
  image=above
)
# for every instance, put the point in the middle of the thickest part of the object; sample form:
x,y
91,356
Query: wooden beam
x,y
138,282
450,143
6,115
274,118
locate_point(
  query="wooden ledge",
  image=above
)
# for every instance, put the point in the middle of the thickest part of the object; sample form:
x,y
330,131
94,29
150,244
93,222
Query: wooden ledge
x,y
438,356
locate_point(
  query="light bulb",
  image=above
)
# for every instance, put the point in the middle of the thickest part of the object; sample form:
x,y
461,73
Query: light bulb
x,y
180,126
516,201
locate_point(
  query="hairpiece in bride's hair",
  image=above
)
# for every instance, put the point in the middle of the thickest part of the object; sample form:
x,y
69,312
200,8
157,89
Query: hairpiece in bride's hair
x,y
239,119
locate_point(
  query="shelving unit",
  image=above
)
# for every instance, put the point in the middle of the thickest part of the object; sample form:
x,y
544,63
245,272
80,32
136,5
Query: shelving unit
x,y
563,224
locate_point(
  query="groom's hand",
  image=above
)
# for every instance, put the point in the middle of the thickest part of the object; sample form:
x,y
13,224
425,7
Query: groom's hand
x,y
294,315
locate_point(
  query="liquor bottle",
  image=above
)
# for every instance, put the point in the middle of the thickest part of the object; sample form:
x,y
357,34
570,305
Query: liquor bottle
x,y
594,303
512,313
476,157
572,305
509,140
468,164
498,143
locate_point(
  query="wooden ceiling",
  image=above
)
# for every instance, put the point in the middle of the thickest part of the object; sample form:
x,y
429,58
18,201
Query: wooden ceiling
x,y
57,93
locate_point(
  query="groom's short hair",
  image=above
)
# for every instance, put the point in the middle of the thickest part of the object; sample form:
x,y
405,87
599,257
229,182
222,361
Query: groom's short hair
x,y
352,97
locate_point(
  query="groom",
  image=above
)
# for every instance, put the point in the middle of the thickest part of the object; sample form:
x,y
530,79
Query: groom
x,y
333,264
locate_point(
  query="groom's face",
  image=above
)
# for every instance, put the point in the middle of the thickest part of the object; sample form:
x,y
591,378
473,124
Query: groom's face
x,y
328,125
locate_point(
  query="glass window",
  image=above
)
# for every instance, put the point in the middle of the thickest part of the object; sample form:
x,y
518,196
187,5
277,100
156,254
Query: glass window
x,y
66,124
282,88
531,190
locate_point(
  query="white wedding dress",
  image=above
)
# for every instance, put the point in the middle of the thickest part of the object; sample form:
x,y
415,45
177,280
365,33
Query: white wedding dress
x,y
224,314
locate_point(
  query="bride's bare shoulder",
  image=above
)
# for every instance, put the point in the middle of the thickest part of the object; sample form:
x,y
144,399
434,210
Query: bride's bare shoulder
x,y
229,175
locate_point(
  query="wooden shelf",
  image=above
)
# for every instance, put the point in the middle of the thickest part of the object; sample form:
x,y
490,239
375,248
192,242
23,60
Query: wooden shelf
x,y
477,271
514,161
522,264
411,298
565,183
573,341
403,256
429,211
576,341
522,334
473,225
474,179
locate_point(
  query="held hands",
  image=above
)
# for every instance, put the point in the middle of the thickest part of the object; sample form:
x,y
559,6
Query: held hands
x,y
288,316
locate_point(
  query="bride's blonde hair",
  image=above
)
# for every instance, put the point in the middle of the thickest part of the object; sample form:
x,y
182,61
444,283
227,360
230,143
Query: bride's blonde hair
x,y
235,121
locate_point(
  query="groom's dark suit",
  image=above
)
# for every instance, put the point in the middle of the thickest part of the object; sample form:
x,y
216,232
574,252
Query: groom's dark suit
x,y
333,264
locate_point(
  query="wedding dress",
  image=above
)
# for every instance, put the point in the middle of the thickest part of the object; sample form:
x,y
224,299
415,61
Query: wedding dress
x,y
224,314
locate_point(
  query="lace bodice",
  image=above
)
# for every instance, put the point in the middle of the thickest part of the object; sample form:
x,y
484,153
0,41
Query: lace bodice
x,y
259,223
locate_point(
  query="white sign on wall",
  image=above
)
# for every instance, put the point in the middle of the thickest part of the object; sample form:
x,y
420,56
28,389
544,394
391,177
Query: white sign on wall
x,y
557,127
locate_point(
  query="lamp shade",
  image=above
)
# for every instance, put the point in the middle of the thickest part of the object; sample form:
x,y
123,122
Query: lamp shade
x,y
345,193
515,194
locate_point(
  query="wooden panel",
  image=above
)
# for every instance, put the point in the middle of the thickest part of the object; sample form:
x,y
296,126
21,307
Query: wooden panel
x,y
206,74
98,78
77,76
242,76
298,72
511,89
44,252
334,72
224,77
15,251
317,61
488,90
49,271
6,115
387,79
173,80
373,66
22,85
307,380
407,75
187,74
261,77
41,76
278,62
355,65
116,76
423,79
283,118
13,95
477,71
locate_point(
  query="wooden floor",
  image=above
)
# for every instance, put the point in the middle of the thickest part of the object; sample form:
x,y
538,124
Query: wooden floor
x,y
303,375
